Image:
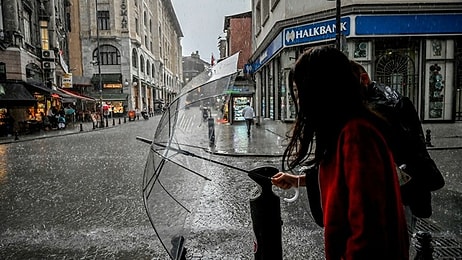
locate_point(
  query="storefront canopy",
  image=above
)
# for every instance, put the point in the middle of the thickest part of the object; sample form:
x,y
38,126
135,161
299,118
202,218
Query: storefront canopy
x,y
76,95
39,88
15,94
107,78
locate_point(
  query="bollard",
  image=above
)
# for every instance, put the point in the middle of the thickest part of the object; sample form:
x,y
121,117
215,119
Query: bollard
x,y
93,125
81,127
137,117
265,210
113,121
119,120
125,120
423,246
428,138
106,123
16,135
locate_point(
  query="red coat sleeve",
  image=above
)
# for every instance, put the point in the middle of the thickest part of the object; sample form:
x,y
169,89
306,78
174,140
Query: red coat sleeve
x,y
363,213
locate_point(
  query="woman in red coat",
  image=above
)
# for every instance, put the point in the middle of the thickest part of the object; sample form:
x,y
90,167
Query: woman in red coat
x,y
363,214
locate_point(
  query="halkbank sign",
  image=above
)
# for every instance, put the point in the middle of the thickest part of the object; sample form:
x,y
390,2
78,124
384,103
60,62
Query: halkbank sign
x,y
314,32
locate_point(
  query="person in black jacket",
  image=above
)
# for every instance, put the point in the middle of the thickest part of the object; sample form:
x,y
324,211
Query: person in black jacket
x,y
407,142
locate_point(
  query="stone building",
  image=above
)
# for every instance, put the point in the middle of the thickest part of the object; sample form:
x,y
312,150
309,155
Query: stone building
x,y
33,54
126,53
415,47
192,66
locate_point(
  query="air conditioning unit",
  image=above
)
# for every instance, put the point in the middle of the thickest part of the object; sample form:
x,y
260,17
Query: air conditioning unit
x,y
49,65
48,55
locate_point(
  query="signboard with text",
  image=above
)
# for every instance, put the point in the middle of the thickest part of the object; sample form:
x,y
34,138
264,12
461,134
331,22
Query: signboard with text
x,y
67,80
314,32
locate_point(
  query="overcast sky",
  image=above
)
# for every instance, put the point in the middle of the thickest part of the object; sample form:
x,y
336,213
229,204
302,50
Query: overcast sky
x,y
202,23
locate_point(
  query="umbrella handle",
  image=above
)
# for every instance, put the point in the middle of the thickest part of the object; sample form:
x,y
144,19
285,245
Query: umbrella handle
x,y
295,197
297,192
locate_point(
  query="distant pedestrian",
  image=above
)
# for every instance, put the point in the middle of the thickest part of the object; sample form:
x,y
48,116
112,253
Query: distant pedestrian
x,y
248,114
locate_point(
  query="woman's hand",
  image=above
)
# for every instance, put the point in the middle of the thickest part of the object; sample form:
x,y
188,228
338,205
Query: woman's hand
x,y
284,180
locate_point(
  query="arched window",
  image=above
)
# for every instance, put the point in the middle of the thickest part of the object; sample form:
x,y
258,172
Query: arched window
x,y
141,63
148,67
109,55
153,70
134,58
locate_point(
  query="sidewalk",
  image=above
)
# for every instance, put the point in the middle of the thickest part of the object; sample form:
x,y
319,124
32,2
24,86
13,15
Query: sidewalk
x,y
270,138
267,139
71,128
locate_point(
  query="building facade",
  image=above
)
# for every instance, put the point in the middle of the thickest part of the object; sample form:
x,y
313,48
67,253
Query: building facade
x,y
33,54
414,47
130,51
238,38
192,66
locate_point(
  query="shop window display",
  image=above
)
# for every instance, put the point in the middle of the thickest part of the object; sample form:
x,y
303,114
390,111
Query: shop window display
x,y
436,92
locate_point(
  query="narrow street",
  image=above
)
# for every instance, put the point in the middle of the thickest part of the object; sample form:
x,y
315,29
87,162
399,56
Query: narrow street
x,y
78,196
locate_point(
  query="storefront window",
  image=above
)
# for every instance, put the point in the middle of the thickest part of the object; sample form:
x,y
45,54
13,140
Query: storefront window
x,y
287,104
436,96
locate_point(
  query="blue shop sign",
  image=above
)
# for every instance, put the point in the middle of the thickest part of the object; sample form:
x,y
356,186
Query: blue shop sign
x,y
274,47
315,32
409,24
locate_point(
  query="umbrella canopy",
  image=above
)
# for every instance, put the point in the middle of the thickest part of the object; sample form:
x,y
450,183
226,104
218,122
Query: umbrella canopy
x,y
180,161
15,94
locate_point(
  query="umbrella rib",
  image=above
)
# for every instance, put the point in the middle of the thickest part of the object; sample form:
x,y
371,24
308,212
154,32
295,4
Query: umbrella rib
x,y
187,153
156,174
163,187
179,165
171,196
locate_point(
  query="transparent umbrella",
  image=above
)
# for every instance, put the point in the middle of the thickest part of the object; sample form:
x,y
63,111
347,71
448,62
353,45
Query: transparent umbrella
x,y
181,156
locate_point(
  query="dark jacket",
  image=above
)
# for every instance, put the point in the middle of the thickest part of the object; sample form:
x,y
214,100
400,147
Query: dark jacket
x,y
407,142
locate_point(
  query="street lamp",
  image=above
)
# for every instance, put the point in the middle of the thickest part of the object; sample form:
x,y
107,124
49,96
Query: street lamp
x,y
100,85
338,29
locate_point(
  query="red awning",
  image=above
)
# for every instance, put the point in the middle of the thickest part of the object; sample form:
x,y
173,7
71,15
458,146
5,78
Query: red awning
x,y
75,95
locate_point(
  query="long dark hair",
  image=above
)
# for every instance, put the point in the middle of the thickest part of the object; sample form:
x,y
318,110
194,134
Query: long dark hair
x,y
326,95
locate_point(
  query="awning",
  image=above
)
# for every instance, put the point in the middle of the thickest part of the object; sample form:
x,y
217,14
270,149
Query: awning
x,y
81,81
15,94
35,88
107,78
76,95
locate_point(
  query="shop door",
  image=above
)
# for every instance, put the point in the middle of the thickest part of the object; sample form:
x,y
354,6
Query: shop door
x,y
239,102
398,71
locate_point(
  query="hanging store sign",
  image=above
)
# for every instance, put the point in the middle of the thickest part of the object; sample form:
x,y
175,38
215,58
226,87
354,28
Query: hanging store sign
x,y
124,13
67,80
117,85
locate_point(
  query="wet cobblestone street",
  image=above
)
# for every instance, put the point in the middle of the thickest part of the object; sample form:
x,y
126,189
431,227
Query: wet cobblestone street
x,y
76,197
79,196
